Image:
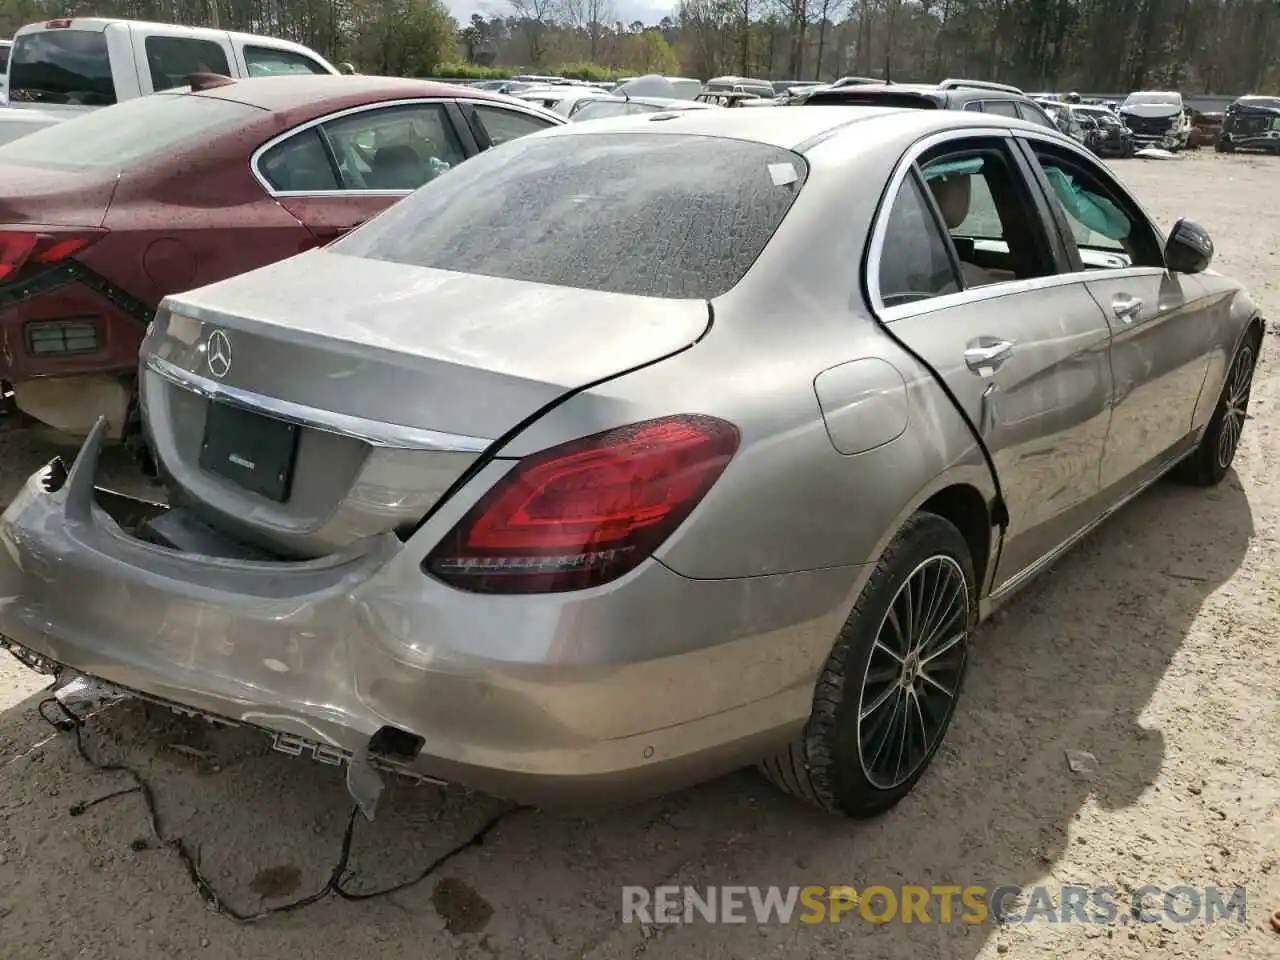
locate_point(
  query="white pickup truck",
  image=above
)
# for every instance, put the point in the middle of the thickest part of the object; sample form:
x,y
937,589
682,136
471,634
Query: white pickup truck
x,y
60,68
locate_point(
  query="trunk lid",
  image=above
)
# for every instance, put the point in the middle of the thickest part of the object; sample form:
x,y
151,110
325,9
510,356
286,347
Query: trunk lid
x,y
55,197
400,377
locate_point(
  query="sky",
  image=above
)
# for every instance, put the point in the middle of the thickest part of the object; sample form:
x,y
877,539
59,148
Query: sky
x,y
646,11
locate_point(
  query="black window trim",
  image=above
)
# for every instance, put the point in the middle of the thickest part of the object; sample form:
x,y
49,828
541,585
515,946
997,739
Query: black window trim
x,y
1058,217
464,139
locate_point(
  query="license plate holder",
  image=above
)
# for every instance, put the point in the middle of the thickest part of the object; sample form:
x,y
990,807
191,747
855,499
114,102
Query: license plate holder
x,y
251,449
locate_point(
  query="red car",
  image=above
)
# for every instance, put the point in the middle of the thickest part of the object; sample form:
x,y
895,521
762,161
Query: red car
x,y
103,215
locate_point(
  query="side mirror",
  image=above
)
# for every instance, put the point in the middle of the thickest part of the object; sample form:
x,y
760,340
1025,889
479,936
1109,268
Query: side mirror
x,y
1188,249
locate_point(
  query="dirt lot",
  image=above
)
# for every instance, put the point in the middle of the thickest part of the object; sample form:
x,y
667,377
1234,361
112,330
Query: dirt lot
x,y
1153,646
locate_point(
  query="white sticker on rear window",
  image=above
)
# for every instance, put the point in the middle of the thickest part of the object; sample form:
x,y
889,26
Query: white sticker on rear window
x,y
783,173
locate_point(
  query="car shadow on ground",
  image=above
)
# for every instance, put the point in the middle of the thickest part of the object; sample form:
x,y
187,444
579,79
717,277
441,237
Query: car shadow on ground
x,y
1070,664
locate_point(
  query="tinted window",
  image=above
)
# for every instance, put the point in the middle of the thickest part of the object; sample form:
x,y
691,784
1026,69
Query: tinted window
x,y
61,66
1034,114
300,163
393,148
1003,108
914,264
4,59
599,109
266,62
117,136
172,60
503,125
655,215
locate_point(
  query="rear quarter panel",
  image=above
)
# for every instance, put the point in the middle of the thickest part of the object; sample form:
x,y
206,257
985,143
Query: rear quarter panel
x,y
193,218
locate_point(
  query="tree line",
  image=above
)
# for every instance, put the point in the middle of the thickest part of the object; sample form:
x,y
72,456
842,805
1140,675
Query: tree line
x,y
1197,46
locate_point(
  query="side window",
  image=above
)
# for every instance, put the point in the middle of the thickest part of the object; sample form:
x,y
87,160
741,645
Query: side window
x,y
299,164
502,125
1101,218
974,106
1033,114
1003,108
269,62
991,219
914,261
172,60
393,148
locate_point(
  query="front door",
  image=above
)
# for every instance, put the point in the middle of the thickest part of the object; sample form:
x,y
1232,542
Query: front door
x,y
968,282
1162,335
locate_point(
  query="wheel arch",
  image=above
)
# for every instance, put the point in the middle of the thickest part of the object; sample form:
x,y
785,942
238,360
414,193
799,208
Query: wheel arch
x,y
965,496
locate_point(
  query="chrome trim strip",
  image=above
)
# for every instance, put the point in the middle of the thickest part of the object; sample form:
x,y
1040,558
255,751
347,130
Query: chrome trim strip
x,y
1031,570
388,435
515,107
995,291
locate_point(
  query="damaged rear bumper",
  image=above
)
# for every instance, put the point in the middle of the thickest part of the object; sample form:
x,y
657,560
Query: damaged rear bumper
x,y
629,690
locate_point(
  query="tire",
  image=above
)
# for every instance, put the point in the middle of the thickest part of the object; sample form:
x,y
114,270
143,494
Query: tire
x,y
824,766
1212,457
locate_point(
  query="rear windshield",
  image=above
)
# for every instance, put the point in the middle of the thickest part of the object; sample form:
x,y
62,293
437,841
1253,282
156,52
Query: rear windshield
x,y
1145,99
127,132
61,66
657,215
599,109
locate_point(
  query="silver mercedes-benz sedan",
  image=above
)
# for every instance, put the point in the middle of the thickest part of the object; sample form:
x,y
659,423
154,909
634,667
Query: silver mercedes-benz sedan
x,y
633,452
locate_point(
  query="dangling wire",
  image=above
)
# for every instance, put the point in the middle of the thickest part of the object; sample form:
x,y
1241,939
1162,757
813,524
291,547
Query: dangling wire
x,y
69,722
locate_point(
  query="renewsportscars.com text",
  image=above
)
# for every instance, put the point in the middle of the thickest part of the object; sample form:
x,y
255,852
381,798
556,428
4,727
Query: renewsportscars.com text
x,y
941,904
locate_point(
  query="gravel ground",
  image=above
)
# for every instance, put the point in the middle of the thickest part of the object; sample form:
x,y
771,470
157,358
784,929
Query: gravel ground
x,y
1152,646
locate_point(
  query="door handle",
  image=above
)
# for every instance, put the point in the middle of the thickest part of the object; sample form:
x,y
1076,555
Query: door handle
x,y
985,355
1125,307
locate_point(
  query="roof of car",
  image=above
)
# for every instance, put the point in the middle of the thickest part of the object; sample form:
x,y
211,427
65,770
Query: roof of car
x,y
793,128
287,92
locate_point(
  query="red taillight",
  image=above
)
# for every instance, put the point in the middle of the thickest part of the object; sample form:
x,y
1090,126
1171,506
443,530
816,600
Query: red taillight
x,y
585,512
20,247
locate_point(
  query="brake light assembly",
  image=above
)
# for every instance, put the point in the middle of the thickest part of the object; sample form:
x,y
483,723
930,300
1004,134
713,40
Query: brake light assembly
x,y
586,512
23,247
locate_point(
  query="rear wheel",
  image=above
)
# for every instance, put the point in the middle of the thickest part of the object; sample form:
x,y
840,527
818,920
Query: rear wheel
x,y
1210,461
889,688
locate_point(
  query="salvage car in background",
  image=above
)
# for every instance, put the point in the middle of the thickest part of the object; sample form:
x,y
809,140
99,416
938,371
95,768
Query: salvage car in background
x,y
1206,127
1251,123
63,68
1157,118
1096,127
103,215
482,493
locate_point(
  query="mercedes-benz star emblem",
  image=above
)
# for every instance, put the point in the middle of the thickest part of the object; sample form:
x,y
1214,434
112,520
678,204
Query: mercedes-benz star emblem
x,y
217,354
